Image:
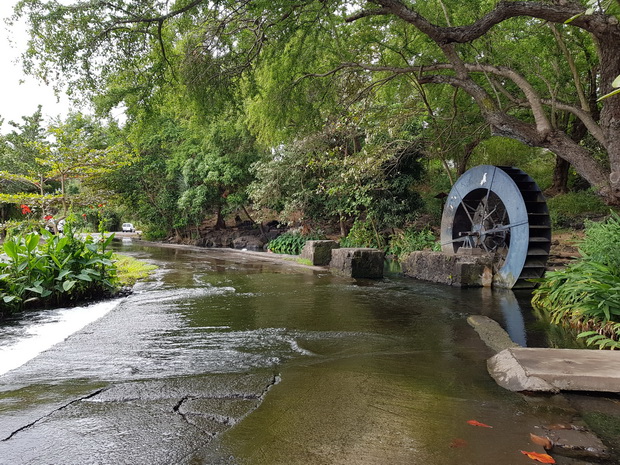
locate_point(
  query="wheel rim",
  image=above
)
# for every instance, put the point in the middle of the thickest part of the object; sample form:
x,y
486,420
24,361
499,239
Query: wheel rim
x,y
491,208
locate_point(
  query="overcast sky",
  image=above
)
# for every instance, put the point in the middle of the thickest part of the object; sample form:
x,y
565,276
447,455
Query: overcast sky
x,y
17,100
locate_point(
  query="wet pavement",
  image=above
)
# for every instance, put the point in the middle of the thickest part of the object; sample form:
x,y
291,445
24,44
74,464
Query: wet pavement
x,y
222,358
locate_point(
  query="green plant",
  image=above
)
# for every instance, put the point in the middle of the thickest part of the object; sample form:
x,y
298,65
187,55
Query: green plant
x,y
129,270
602,340
586,294
601,242
568,209
291,243
41,268
411,240
363,234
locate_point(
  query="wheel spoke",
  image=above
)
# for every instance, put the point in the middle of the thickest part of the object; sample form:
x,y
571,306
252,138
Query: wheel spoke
x,y
504,228
458,239
471,221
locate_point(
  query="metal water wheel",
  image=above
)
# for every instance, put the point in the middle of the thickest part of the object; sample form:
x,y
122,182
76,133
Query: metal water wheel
x,y
499,210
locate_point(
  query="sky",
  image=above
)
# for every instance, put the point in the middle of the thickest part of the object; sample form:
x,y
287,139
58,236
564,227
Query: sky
x,y
17,100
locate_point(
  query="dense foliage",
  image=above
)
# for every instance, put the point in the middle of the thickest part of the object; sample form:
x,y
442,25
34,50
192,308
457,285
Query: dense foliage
x,y
586,294
291,243
540,72
44,269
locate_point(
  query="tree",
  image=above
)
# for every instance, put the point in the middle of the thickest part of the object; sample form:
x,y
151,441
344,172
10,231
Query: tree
x,y
344,173
533,128
78,151
216,172
499,54
19,151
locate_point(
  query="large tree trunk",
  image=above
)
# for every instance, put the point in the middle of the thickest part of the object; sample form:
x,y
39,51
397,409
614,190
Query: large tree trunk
x,y
609,45
220,223
560,177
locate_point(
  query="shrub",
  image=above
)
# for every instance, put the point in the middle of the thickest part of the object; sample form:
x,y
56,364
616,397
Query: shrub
x,y
412,240
568,210
586,294
58,270
601,242
291,243
363,234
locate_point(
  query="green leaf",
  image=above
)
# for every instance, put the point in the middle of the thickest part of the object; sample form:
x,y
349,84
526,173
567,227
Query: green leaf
x,y
62,274
84,277
10,248
616,82
32,240
586,334
35,289
9,298
68,285
572,18
617,91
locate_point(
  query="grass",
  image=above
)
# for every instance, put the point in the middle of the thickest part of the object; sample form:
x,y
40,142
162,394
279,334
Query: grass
x,y
131,270
570,210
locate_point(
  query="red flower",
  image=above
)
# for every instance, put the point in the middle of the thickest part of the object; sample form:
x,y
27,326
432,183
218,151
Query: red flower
x,y
25,209
84,215
48,217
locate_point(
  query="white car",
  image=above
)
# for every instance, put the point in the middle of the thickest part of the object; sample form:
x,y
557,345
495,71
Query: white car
x,y
128,227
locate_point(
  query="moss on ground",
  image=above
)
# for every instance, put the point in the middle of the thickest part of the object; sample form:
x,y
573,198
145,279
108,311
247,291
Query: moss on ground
x,y
131,270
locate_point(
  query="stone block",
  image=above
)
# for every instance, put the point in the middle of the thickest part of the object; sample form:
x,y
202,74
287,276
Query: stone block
x,y
454,270
357,262
319,252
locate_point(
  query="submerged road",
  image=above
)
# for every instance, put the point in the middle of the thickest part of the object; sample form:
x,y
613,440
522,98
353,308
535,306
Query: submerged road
x,y
222,358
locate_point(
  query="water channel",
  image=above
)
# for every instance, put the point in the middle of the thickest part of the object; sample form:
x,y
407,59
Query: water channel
x,y
225,358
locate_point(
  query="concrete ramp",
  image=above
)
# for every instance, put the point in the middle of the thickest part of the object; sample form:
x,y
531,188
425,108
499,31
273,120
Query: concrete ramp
x,y
554,370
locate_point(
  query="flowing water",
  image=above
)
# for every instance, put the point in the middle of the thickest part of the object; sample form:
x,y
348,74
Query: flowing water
x,y
225,358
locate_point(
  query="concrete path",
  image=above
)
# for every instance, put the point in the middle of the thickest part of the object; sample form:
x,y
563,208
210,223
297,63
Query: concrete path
x,y
554,370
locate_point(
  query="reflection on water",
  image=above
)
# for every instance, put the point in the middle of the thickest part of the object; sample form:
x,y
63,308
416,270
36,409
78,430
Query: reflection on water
x,y
513,317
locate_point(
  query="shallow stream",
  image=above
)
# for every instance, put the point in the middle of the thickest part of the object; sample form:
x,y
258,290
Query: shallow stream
x,y
226,358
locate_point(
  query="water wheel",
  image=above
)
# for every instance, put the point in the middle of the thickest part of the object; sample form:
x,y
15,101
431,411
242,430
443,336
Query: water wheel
x,y
499,210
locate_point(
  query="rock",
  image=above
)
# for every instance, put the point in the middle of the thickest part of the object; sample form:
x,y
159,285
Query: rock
x,y
577,443
248,242
357,262
319,253
454,270
491,333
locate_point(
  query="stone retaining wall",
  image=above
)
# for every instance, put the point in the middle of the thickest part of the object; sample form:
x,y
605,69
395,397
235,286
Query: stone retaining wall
x,y
357,262
454,270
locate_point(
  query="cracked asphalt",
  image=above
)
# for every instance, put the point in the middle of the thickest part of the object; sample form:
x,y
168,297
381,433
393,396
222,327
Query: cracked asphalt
x,y
167,421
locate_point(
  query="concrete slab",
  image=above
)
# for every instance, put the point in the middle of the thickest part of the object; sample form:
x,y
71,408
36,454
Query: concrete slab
x,y
553,370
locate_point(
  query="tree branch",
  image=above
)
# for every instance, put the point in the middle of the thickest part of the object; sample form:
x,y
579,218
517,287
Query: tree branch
x,y
367,13
585,117
553,12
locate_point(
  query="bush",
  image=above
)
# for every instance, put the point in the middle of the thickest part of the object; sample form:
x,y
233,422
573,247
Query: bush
x,y
363,234
291,243
412,240
586,294
570,210
602,241
57,270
